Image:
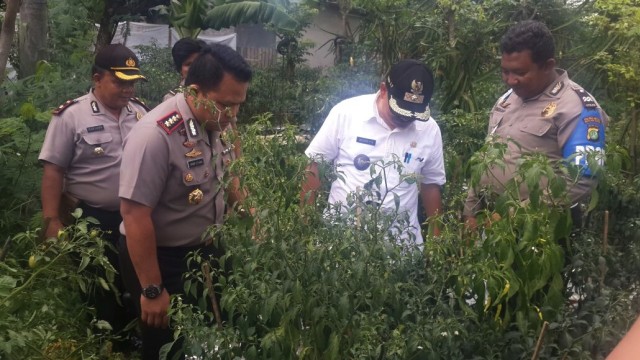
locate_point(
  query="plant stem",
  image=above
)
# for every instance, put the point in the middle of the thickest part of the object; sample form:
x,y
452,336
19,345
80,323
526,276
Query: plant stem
x,y
214,302
536,352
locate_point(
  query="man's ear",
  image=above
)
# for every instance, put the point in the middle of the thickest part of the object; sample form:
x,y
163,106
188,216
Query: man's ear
x,y
383,87
550,65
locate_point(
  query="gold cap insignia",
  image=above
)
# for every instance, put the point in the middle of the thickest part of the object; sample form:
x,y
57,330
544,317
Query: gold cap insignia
x,y
195,197
549,110
193,153
130,62
416,90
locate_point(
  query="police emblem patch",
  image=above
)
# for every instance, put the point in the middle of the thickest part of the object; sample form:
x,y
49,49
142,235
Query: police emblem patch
x,y
361,162
195,197
549,109
593,133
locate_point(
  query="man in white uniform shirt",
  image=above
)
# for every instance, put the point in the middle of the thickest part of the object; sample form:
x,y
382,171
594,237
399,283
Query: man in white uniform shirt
x,y
392,124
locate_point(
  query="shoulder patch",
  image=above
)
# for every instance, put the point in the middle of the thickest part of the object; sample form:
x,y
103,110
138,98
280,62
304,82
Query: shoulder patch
x,y
587,100
170,122
140,102
60,109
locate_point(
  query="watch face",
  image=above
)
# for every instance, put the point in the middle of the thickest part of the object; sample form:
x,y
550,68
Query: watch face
x,y
151,291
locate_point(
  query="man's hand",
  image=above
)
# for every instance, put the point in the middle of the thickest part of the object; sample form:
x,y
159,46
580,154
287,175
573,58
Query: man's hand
x,y
155,312
471,223
53,227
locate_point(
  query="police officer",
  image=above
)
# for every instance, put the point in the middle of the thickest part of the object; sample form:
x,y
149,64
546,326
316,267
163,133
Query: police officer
x,y
184,51
171,191
543,111
81,156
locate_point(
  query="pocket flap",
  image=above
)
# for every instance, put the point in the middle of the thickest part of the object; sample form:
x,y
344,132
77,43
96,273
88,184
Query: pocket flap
x,y
97,139
537,128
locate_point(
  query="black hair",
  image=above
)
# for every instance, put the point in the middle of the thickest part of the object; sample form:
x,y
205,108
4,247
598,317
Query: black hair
x,y
184,48
529,35
213,62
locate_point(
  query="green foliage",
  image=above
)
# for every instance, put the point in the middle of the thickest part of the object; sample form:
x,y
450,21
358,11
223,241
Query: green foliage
x,y
324,285
189,17
41,282
20,141
157,66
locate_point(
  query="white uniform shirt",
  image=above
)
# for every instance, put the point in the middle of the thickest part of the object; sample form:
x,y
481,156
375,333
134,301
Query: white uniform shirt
x,y
354,132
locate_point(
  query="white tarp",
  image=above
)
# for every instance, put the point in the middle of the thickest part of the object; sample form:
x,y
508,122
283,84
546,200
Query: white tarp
x,y
133,34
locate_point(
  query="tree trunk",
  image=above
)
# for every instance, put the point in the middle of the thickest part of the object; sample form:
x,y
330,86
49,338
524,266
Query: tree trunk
x,y
6,34
107,27
32,35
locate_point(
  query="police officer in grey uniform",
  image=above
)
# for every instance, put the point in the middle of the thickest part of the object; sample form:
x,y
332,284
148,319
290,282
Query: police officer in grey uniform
x,y
544,112
171,186
82,151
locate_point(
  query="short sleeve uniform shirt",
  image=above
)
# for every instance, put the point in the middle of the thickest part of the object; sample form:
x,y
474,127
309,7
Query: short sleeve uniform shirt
x,y
86,140
354,136
174,166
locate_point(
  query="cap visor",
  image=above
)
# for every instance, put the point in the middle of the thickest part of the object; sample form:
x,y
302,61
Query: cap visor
x,y
128,77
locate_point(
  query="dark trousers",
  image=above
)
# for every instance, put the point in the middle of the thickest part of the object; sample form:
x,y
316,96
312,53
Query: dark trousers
x,y
173,265
108,308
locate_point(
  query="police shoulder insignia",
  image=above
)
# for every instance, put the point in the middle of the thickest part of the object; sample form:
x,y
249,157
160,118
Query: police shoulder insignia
x,y
170,122
140,102
586,98
60,109
94,107
556,88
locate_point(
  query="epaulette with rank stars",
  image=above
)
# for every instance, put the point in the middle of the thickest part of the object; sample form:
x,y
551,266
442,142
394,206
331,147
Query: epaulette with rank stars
x,y
60,109
170,122
140,102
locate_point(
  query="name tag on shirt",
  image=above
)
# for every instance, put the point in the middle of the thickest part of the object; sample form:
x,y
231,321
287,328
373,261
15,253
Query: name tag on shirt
x,y
91,129
366,141
195,162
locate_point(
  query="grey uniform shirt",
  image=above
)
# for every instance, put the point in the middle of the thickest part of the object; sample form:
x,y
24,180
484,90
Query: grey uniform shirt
x,y
167,159
86,140
542,124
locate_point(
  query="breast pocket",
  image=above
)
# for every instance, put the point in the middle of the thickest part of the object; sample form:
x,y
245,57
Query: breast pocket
x,y
99,145
537,128
537,136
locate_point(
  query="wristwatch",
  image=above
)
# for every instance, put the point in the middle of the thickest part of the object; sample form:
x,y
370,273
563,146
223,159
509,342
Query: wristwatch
x,y
152,291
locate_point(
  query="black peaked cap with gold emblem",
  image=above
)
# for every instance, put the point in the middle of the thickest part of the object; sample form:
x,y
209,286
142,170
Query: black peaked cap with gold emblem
x,y
121,61
410,87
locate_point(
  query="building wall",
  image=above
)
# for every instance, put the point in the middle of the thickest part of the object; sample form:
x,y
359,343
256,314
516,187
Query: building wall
x,y
326,25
